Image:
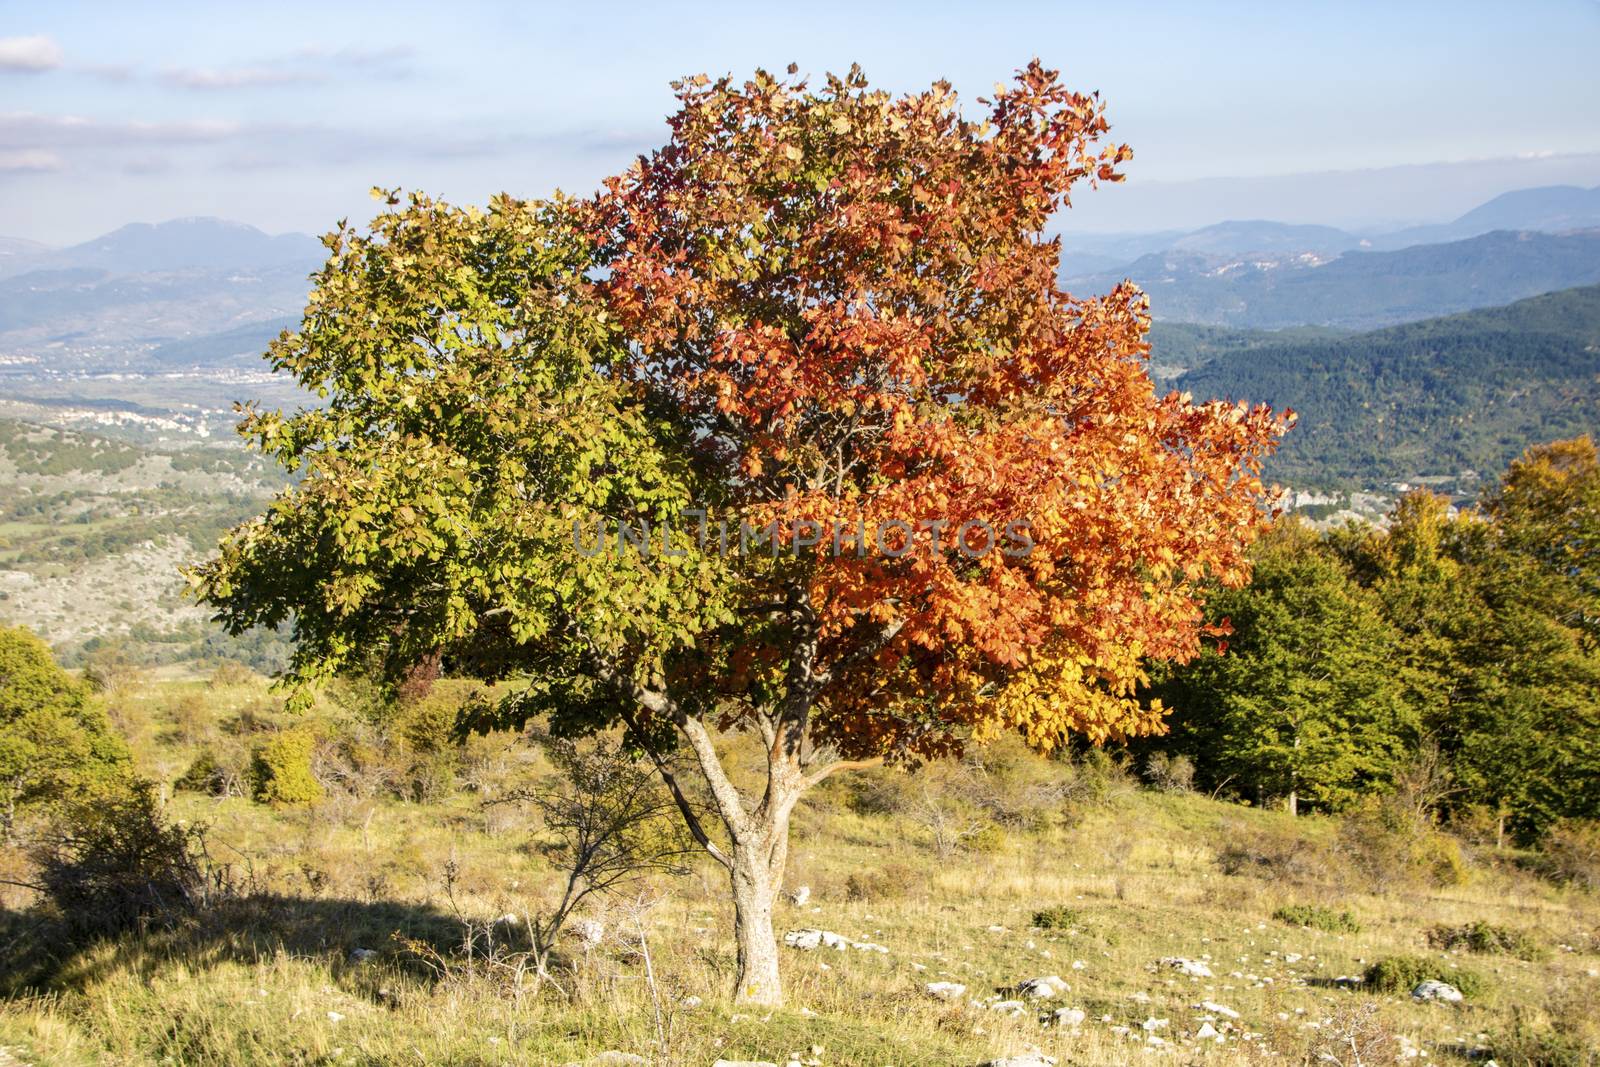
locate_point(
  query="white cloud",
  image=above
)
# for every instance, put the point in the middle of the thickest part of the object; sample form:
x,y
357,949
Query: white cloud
x,y
234,77
27,130
29,160
29,53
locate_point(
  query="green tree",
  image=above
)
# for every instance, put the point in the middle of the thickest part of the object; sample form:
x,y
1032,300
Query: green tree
x,y
1302,701
54,738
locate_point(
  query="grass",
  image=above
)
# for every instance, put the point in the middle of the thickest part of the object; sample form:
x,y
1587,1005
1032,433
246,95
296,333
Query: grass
x,y
1135,877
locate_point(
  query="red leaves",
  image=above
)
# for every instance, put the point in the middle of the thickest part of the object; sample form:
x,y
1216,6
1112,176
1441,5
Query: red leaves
x,y
852,296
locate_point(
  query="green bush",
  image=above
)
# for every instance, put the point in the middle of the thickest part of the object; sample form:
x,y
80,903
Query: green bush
x,y
1401,974
1486,938
110,863
280,773
1058,917
1318,918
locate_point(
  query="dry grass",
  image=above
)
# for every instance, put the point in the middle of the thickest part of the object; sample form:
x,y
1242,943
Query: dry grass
x,y
270,980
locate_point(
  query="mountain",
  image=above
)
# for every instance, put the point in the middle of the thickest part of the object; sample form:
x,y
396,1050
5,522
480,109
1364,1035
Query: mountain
x,y
1553,209
182,244
102,303
1436,397
1359,289
1239,238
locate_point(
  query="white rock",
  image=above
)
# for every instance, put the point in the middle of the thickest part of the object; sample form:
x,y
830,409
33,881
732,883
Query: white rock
x,y
810,939
1068,1016
1047,987
1078,965
1015,1007
867,946
334,1017
800,896
691,1002
1192,968
1152,1024
1436,990
1029,1059
1207,1032
1220,1009
946,990
363,955
613,1058
744,1063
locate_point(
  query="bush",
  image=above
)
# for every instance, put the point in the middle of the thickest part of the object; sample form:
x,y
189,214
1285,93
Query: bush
x,y
1391,847
1058,917
280,773
205,775
885,883
1570,853
1318,918
1564,1034
111,863
1401,974
1487,939
1280,853
1170,774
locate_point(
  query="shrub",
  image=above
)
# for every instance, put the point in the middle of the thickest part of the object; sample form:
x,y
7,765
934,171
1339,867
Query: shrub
x,y
1401,974
1170,774
205,775
230,673
111,863
1390,847
1564,1034
1570,853
1058,917
1486,938
1280,853
883,883
1318,918
280,773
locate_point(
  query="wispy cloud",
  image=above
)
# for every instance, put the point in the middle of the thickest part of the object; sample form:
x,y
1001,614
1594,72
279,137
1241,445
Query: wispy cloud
x,y
234,77
26,130
29,160
29,54
310,64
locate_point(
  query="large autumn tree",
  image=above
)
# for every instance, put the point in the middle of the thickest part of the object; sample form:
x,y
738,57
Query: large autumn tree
x,y
813,311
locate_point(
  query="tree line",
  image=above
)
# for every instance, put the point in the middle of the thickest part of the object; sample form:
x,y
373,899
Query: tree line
x,y
1465,638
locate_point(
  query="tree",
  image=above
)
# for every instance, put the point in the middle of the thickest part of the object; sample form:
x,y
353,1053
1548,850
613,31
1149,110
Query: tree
x,y
826,318
1304,702
53,738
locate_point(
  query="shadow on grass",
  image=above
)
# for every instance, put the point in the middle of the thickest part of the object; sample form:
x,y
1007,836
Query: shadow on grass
x,y
38,952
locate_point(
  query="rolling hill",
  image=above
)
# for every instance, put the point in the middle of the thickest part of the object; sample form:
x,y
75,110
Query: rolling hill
x,y
1436,397
1359,289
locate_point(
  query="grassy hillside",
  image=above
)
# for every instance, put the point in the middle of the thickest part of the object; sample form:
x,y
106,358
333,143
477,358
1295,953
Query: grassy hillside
x,y
1427,398
93,531
947,870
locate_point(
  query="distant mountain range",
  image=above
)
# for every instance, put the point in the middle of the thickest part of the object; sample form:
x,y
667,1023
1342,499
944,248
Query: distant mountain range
x,y
1466,391
179,245
1549,209
1359,289
210,293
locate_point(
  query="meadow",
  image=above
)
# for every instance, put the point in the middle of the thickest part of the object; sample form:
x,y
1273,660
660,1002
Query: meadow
x,y
362,927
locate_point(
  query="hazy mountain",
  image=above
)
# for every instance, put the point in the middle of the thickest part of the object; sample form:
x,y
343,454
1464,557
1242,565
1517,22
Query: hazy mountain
x,y
1553,209
1359,289
1427,398
241,346
1238,238
182,244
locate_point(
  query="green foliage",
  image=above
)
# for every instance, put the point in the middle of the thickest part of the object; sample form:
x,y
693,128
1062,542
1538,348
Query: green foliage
x,y
280,772
1318,918
1303,702
112,863
1488,938
54,738
1430,397
472,419
1058,917
1401,974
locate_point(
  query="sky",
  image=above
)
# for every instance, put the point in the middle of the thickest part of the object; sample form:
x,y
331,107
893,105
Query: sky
x,y
284,115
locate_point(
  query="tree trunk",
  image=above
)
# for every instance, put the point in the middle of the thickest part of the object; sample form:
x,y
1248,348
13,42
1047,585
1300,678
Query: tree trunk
x,y
1294,803
754,891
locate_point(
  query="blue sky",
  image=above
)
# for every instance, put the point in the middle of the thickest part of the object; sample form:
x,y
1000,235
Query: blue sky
x,y
283,115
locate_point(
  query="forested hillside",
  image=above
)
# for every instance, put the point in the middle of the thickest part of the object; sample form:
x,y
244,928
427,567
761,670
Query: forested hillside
x,y
1427,398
